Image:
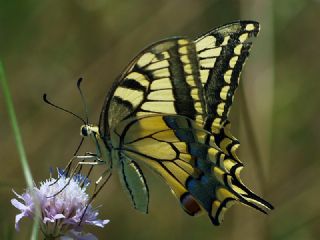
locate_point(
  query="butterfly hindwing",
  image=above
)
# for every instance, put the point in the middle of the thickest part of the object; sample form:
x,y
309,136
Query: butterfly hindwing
x,y
200,175
134,182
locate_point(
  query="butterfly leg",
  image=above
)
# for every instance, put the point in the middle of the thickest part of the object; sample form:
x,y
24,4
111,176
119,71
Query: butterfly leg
x,y
96,161
106,176
76,170
74,158
93,163
87,156
66,170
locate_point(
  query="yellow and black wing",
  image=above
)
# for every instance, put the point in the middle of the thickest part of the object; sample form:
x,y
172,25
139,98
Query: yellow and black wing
x,y
199,174
222,54
196,79
164,78
134,183
193,82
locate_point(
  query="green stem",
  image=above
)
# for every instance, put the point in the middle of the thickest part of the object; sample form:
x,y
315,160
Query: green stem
x,y
18,139
15,127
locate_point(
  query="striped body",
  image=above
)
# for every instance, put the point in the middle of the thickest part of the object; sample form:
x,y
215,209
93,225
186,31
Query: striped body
x,y
169,111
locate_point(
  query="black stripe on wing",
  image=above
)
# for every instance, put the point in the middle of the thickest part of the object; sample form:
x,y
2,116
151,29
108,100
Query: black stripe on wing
x,y
174,81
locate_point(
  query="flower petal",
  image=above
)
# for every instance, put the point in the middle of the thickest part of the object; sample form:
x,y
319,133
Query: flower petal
x,y
46,220
18,205
58,216
18,218
25,211
98,222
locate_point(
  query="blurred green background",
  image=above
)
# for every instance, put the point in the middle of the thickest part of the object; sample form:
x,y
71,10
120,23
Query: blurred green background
x,y
47,45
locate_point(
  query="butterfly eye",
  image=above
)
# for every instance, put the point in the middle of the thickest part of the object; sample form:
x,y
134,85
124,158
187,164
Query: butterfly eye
x,y
84,131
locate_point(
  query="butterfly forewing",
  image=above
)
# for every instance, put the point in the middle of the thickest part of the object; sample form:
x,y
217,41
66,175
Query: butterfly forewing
x,y
196,79
164,79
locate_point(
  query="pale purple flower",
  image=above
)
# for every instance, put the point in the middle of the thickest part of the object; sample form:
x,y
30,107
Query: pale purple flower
x,y
61,211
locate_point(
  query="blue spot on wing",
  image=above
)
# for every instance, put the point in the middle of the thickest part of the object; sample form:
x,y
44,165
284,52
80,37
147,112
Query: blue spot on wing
x,y
203,190
198,150
185,135
171,121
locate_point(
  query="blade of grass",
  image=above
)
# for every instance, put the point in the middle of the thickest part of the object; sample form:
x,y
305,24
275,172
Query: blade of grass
x,y
15,127
19,143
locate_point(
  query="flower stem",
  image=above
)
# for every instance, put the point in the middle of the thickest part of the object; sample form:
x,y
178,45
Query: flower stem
x,y
15,127
18,139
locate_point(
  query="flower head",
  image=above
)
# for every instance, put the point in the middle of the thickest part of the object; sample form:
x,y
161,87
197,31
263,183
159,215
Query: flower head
x,y
64,207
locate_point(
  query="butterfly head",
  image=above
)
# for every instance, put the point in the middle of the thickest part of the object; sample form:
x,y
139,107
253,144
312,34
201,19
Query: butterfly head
x,y
89,130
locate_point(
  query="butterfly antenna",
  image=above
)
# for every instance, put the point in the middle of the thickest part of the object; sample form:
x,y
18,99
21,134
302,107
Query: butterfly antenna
x,y
45,99
83,99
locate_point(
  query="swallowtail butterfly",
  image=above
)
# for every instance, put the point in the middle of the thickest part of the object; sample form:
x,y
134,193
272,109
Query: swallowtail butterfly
x,y
169,111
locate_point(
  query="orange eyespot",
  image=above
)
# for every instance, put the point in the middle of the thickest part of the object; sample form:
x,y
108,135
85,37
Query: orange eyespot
x,y
190,204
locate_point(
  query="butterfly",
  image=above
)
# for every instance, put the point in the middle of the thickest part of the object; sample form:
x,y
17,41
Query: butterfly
x,y
168,111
